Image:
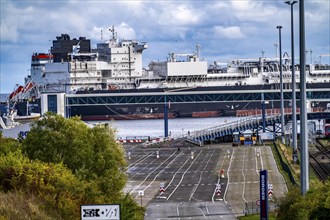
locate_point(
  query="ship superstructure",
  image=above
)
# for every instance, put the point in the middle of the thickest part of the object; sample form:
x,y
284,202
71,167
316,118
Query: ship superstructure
x,y
72,66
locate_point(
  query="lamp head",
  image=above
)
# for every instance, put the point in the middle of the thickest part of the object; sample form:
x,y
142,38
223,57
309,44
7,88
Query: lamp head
x,y
291,2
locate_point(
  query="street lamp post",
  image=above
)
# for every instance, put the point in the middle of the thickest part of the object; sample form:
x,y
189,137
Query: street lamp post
x,y
281,86
294,105
304,172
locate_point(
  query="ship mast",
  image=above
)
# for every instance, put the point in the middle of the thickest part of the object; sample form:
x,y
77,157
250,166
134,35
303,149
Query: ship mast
x,y
113,39
198,50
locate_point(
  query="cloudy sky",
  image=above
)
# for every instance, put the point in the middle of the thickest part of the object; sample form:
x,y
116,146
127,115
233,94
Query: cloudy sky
x,y
225,29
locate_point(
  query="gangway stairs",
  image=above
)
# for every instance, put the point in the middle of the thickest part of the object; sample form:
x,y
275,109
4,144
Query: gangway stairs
x,y
241,125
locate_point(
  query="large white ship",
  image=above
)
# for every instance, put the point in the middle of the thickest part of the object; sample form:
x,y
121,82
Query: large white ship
x,y
115,67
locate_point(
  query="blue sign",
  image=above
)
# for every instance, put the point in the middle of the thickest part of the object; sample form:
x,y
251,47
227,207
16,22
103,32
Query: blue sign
x,y
23,134
263,195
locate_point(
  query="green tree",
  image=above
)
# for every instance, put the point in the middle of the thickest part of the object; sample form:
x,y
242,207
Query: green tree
x,y
130,209
289,206
317,200
8,145
91,153
314,205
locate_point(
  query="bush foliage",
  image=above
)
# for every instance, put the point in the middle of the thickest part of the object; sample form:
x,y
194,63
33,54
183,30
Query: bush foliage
x,y
54,183
314,205
64,163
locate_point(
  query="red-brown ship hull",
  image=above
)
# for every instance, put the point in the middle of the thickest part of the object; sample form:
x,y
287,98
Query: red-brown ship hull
x,y
126,117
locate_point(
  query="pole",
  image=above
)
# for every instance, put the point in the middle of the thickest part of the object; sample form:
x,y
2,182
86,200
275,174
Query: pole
x,y
165,118
281,86
304,175
294,105
263,181
263,112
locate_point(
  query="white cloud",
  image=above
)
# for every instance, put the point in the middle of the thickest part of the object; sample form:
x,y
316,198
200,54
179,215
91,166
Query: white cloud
x,y
11,26
256,11
233,32
175,15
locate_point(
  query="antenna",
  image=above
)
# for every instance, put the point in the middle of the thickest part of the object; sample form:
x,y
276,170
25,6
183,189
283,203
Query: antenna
x,y
112,29
276,45
198,51
101,35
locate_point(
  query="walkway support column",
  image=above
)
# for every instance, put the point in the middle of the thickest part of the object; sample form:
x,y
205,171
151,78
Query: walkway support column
x,y
165,117
263,109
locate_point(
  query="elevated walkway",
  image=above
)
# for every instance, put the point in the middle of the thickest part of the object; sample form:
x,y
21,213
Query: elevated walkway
x,y
243,124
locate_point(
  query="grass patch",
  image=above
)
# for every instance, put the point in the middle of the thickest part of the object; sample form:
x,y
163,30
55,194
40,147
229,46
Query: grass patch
x,y
19,206
286,154
279,166
325,142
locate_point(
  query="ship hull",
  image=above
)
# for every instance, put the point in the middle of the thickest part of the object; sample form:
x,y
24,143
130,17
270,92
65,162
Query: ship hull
x,y
186,110
125,117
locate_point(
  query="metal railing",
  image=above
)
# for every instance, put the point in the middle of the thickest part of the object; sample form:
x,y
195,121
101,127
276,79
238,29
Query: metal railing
x,y
229,128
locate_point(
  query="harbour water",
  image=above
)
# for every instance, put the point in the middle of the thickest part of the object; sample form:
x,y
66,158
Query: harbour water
x,y
154,128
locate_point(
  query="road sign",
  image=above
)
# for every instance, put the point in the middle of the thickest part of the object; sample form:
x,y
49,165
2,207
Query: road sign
x,y
258,202
140,193
270,190
270,186
161,187
104,212
218,192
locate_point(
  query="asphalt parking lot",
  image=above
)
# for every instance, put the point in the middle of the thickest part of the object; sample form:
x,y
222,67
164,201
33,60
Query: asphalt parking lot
x,y
210,182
